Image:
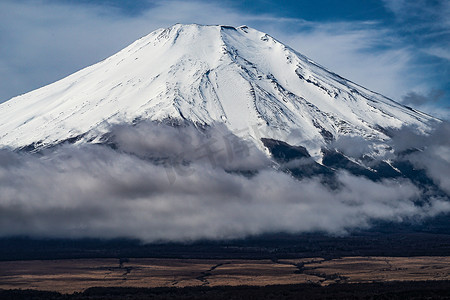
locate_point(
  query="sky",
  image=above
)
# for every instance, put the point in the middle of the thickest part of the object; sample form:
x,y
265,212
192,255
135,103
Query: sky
x,y
398,48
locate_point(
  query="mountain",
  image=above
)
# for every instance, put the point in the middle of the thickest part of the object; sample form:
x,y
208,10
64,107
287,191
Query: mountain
x,y
214,132
241,77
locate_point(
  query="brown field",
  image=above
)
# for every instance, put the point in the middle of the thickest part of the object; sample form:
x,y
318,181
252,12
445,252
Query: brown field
x,y
68,276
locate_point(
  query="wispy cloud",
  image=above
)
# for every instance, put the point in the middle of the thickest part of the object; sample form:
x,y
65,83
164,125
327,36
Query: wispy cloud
x,y
425,25
429,14
438,51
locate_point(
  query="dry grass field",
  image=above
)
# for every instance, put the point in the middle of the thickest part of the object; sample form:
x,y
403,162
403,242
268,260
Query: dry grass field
x,y
68,276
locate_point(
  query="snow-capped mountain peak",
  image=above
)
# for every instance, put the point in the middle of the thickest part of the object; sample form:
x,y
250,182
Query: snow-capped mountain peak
x,y
244,78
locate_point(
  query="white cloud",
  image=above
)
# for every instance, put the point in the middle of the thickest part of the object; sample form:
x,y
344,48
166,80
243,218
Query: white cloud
x,y
120,194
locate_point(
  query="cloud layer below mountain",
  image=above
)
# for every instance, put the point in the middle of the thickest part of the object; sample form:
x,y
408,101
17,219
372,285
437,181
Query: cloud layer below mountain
x,y
156,182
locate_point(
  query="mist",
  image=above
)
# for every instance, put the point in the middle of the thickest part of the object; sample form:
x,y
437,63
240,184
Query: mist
x,y
156,182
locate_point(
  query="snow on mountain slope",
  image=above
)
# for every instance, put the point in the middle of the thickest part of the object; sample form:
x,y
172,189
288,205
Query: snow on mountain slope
x,y
239,76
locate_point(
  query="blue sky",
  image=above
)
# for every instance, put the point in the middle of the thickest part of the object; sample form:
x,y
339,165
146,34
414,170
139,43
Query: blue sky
x,y
399,48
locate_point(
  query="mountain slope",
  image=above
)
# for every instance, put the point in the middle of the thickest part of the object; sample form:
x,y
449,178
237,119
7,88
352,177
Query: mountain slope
x,y
239,76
